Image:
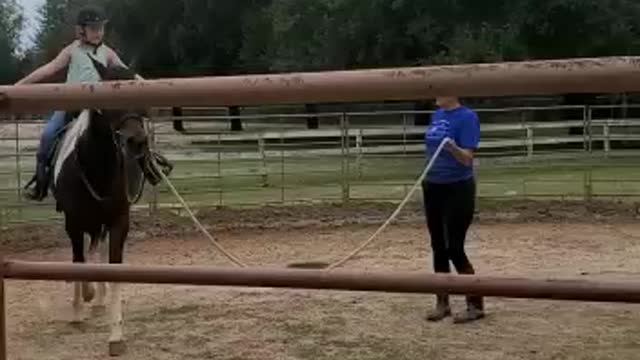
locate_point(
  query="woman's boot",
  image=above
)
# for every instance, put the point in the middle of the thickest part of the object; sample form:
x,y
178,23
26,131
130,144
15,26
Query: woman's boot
x,y
442,310
475,311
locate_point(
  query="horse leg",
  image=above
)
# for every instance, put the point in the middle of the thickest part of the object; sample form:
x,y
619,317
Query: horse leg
x,y
88,292
77,243
99,252
117,236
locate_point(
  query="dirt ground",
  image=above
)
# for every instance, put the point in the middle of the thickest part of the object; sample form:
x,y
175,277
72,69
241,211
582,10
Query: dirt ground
x,y
181,322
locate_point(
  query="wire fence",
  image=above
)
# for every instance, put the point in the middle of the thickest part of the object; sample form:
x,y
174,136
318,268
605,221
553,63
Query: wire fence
x,y
528,152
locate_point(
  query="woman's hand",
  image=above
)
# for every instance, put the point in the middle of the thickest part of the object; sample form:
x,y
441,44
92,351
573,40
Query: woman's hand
x,y
464,156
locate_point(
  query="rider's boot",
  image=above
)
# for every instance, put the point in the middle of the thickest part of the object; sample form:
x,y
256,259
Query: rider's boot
x,y
39,190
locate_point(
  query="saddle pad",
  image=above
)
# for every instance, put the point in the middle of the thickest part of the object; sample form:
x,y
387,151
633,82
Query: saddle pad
x,y
68,143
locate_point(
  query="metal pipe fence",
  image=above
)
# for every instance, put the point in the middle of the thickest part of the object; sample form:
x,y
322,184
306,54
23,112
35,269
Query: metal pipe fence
x,y
388,282
525,153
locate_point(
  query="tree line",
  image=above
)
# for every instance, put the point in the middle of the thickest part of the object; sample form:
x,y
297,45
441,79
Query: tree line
x,y
221,37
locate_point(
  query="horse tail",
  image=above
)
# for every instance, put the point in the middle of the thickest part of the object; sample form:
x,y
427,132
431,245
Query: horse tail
x,y
98,238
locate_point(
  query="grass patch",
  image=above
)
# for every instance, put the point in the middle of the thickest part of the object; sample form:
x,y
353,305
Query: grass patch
x,y
372,177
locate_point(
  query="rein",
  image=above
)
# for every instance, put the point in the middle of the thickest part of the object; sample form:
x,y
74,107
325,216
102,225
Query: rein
x,y
121,151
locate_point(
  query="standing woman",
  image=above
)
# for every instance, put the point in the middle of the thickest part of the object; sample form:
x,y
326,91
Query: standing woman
x,y
449,192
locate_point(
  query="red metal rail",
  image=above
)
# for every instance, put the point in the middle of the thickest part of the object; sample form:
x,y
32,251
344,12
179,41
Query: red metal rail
x,y
397,282
591,75
414,282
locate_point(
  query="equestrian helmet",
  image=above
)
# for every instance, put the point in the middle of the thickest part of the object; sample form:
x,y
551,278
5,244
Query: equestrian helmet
x,y
90,16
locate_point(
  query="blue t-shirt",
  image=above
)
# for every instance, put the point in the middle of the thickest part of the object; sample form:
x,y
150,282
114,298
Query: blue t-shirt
x,y
460,124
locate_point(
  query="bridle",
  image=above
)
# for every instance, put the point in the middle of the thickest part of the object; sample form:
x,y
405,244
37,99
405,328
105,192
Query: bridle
x,y
120,143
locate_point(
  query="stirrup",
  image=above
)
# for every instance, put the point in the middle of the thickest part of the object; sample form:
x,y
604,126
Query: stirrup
x,y
37,193
38,187
33,180
33,195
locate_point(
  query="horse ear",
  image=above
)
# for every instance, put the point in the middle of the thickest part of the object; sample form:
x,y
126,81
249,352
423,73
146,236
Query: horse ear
x,y
102,70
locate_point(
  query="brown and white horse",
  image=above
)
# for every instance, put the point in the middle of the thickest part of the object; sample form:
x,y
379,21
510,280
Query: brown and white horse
x,y
98,163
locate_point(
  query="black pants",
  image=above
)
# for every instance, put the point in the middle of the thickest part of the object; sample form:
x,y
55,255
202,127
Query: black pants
x,y
449,211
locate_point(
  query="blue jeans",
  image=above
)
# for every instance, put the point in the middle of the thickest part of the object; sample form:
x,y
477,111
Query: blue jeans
x,y
54,126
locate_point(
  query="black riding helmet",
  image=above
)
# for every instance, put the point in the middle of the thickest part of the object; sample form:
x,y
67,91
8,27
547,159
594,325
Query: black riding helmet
x,y
91,15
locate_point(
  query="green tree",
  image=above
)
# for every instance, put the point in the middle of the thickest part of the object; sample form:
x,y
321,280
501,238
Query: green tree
x,y
177,37
11,22
183,37
577,28
334,34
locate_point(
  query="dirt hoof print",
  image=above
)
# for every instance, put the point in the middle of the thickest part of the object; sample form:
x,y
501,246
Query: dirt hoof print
x,y
117,348
78,325
311,265
98,310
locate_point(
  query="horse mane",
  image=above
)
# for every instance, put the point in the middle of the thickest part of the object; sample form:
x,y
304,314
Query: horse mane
x,y
112,73
118,73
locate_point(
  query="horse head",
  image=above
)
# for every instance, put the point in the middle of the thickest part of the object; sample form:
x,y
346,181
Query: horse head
x,y
125,125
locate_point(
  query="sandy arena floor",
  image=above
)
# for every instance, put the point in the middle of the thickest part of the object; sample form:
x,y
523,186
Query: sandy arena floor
x,y
169,322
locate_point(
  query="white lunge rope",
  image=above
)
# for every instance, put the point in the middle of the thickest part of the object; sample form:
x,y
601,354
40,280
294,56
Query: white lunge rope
x,y
232,258
239,263
400,207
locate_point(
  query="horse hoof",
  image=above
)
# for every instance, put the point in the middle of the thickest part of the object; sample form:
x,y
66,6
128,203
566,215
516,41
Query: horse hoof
x,y
88,297
117,348
88,293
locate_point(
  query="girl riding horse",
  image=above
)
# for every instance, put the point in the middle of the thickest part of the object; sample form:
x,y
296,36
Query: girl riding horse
x,y
90,26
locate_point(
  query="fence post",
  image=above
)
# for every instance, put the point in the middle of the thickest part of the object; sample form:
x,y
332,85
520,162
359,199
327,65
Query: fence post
x,y
344,145
585,140
404,135
263,156
153,203
18,165
3,315
348,158
606,132
529,141
588,131
220,182
404,148
359,151
282,168
587,113
588,185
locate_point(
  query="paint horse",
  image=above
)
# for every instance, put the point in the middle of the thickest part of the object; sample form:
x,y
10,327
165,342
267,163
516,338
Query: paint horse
x,y
99,161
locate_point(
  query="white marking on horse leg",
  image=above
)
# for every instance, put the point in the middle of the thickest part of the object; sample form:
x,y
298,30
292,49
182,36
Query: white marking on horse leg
x,y
77,302
115,320
103,247
88,292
